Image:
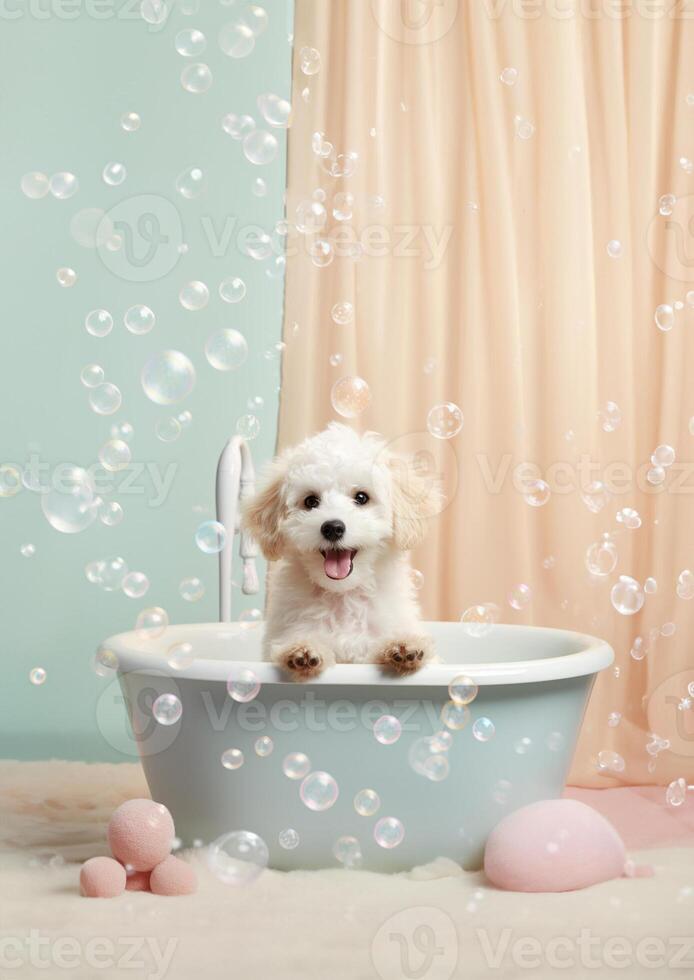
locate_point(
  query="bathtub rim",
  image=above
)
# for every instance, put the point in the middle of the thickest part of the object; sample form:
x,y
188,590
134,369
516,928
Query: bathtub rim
x,y
595,655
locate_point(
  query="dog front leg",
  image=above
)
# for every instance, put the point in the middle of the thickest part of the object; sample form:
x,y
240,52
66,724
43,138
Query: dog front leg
x,y
404,654
302,658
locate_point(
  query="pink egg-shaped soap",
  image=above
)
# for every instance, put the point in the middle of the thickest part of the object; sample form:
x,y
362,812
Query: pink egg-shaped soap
x,y
140,834
553,846
102,877
173,877
137,881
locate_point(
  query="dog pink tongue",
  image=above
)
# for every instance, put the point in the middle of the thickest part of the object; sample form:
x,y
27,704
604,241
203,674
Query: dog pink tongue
x,y
338,564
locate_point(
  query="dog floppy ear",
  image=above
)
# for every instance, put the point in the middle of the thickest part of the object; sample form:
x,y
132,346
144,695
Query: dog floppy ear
x,y
416,496
263,511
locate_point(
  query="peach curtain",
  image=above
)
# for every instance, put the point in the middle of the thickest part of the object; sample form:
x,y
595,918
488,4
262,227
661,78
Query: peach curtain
x,y
505,251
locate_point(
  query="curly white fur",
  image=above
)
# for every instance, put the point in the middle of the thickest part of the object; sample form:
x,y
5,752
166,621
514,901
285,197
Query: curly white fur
x,y
370,613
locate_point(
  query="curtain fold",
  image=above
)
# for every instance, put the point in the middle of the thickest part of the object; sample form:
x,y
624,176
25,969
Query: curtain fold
x,y
503,250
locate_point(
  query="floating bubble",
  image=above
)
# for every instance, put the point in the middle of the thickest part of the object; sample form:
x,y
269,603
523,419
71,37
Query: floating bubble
x,y
614,718
66,277
437,768
650,586
367,802
167,377
259,188
135,585
243,685
343,204
196,78
10,480
190,43
194,296
115,455
387,729
342,313
347,851
34,185
519,596
167,709
180,656
676,792
114,174
350,396
509,76
152,623
237,126
288,839
656,475
264,746
627,596
549,562
238,858
319,791
638,649
27,550
524,128
595,496
389,832
232,290
93,570
296,765
309,61
610,416
483,729
610,761
91,228
98,323
455,716
417,578
664,317
441,741
211,537
249,618
614,248
236,39
248,426
130,122
258,246
668,629
190,184
276,267
167,430
664,456
91,375
226,349
37,676
335,360
537,493
523,745
478,620
105,663
601,558
184,419
685,584
191,589
274,110
340,164
687,165
310,217
111,513
139,319
73,507
462,689
629,518
445,421
666,204
321,253
63,185
232,758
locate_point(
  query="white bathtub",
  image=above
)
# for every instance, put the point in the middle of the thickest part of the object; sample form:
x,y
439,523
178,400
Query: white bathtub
x,y
533,686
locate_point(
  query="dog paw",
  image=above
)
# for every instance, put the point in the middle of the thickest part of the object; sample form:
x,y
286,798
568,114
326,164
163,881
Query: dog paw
x,y
405,657
302,661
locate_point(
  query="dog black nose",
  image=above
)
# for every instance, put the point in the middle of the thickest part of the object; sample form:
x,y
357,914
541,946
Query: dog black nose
x,y
332,530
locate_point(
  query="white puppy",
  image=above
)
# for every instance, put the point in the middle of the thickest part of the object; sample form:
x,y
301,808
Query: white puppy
x,y
339,513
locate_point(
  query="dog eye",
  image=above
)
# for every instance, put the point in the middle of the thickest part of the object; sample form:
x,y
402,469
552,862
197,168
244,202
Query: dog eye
x,y
361,498
311,502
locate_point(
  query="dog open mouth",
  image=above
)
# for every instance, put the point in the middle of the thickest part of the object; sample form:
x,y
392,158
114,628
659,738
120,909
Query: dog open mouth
x,y
338,563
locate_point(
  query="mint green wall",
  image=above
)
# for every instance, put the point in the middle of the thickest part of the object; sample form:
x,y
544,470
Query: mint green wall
x,y
66,83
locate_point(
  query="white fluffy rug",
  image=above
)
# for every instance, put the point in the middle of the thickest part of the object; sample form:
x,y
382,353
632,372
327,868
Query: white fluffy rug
x,y
433,923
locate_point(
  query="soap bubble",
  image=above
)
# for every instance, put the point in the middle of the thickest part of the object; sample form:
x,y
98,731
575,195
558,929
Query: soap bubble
x,y
342,313
130,121
63,185
629,518
184,419
167,430
91,375
437,768
226,349
601,557
191,589
274,110
656,475
455,716
248,618
309,60
232,290
115,455
668,629
232,758
614,248
676,792
196,78
610,417
445,421
321,252
167,709
27,550
422,750
236,39
335,360
264,746
350,396
638,649
154,11
248,426
627,596
152,623
650,586
483,729
664,455
685,584
389,832
319,791
34,185
180,656
664,317
288,839
135,585
310,217
237,126
73,507
614,718
524,128
211,537
91,227
296,765
343,203
537,493
114,174
387,729
610,762
259,188
462,689
237,858
194,296
66,277
595,496
258,246
522,746
105,663
347,851
190,184
37,676
190,43
256,18
478,620
10,480
666,203
367,802
139,319
519,596
243,685
93,570
509,76
167,377
111,513
98,323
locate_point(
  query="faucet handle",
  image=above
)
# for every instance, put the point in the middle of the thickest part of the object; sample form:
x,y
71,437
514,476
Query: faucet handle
x,y
250,585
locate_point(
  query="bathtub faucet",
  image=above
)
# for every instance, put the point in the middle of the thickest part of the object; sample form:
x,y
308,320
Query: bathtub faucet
x,y
235,481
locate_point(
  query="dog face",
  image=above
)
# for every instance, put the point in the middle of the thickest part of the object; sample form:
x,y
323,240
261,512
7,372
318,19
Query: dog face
x,y
338,501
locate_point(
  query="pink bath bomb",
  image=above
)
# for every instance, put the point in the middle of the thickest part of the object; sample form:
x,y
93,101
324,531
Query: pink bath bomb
x,y
140,833
137,881
173,877
102,877
553,846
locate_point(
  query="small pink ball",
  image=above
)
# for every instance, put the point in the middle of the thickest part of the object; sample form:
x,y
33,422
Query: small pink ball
x,y
102,877
173,877
137,881
140,833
